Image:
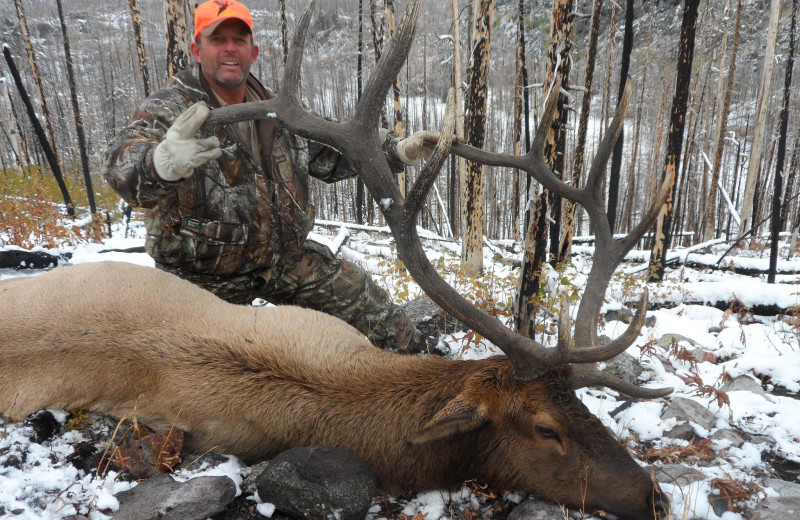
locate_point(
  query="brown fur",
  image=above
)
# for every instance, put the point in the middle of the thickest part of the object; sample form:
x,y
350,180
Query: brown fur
x,y
256,381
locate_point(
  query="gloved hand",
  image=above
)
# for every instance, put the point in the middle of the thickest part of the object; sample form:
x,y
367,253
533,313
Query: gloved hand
x,y
416,147
180,152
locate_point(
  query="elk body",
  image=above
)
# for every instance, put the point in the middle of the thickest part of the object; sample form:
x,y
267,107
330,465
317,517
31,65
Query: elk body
x,y
255,381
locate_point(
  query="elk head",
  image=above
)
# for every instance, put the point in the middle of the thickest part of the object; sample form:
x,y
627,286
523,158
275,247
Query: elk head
x,y
593,471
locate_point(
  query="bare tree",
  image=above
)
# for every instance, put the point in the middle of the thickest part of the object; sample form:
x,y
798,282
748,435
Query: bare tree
x,y
777,222
535,242
177,36
754,166
616,158
675,140
473,199
580,146
76,110
724,104
459,166
37,79
136,21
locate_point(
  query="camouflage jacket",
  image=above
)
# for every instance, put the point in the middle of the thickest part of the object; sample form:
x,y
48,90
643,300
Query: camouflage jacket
x,y
233,215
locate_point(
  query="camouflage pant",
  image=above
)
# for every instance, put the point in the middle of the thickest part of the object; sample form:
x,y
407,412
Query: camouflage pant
x,y
316,279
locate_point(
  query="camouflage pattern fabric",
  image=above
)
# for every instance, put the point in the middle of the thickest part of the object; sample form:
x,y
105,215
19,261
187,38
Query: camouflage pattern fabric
x,y
316,279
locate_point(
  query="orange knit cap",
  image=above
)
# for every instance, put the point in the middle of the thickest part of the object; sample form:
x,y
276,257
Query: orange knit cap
x,y
212,13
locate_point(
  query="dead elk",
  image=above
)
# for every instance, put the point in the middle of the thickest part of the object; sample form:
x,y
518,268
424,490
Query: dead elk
x,y
256,381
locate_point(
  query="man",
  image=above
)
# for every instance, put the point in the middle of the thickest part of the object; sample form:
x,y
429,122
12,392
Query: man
x,y
227,208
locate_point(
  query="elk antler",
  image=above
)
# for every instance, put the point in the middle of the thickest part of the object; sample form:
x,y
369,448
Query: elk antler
x,y
358,140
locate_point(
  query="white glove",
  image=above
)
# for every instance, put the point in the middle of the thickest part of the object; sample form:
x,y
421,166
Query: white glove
x,y
416,147
180,152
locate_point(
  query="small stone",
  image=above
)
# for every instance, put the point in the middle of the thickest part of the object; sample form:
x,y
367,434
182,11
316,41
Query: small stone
x,y
683,431
677,474
536,510
745,383
730,436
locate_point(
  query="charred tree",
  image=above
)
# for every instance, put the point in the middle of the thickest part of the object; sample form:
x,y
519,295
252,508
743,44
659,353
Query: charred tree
x,y
616,158
177,36
777,222
76,109
136,21
48,151
570,209
37,80
661,238
473,210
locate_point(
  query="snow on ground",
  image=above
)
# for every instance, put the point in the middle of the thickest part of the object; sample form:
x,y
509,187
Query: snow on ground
x,y
42,485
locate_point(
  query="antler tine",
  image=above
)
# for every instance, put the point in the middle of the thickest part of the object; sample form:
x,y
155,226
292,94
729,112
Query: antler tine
x,y
291,72
419,192
585,375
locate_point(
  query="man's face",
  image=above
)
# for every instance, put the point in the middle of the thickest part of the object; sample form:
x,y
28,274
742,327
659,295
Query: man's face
x,y
226,55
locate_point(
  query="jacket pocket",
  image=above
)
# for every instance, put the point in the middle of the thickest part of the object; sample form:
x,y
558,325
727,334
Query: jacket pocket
x,y
214,231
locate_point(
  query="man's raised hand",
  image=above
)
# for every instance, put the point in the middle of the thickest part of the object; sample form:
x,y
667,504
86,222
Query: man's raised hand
x,y
180,152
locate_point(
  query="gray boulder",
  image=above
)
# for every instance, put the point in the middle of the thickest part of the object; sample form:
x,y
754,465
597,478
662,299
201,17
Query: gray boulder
x,y
162,498
777,508
688,410
735,439
318,482
784,488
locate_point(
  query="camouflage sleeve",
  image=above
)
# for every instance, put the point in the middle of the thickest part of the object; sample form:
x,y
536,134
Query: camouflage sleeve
x,y
329,165
128,161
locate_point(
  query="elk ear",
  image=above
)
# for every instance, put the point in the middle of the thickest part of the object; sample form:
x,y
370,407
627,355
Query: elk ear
x,y
458,416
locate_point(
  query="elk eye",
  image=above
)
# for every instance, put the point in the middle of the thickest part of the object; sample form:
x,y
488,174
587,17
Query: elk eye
x,y
547,433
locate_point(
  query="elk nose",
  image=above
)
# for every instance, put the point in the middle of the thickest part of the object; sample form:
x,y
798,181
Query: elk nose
x,y
658,504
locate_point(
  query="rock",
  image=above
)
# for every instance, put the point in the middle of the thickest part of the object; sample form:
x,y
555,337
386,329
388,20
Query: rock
x,y
714,330
745,383
719,504
688,410
761,439
650,322
703,356
667,340
622,314
536,510
677,474
784,488
430,319
683,431
316,481
777,508
735,439
624,366
249,481
162,498
44,426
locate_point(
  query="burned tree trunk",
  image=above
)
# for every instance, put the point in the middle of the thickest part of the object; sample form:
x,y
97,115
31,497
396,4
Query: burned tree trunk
x,y
136,21
616,158
37,80
48,152
777,222
680,101
570,209
473,210
177,36
76,109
